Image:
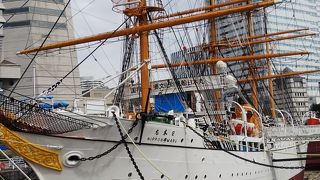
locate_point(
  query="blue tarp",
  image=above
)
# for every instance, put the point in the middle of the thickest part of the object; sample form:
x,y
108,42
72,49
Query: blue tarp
x,y
45,106
57,104
3,147
167,102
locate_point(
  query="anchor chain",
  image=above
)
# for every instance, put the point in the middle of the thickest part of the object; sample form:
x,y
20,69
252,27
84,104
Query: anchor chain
x,y
112,148
127,148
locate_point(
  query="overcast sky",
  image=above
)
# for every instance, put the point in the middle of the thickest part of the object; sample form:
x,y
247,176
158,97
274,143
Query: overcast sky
x,y
97,17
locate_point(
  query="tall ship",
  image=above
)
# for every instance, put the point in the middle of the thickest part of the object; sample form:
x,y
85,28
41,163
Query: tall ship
x,y
203,121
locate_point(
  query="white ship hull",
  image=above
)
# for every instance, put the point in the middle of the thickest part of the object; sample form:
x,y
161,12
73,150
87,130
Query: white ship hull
x,y
177,151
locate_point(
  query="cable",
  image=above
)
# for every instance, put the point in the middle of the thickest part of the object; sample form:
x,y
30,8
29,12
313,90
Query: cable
x,y
242,158
14,14
127,147
34,57
53,87
140,151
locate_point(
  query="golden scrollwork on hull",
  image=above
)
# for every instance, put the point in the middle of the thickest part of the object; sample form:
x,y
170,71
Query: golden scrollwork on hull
x,y
29,151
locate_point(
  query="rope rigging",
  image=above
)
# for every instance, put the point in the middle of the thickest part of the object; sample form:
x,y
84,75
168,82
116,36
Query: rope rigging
x,y
242,158
53,87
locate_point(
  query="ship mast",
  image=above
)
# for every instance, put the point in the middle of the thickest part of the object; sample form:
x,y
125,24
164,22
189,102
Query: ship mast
x,y
213,54
270,82
144,56
252,71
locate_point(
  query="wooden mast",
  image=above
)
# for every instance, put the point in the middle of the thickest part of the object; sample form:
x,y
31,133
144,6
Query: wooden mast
x,y
213,54
144,56
251,63
270,82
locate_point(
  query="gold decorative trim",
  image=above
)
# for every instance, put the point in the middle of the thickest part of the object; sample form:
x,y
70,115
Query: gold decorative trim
x,y
34,153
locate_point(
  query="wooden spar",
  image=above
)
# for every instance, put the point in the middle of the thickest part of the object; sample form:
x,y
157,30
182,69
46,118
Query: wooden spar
x,y
276,76
144,56
251,63
270,82
148,27
230,59
263,35
213,54
212,6
223,46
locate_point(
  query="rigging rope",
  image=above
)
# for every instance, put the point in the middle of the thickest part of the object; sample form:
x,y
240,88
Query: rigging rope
x,y
242,158
53,87
127,147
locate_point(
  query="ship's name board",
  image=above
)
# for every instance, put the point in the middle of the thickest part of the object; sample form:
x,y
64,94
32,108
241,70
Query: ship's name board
x,y
161,85
160,137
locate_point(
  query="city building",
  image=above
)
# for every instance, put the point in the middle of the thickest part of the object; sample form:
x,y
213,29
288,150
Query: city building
x,y
290,93
28,26
87,82
9,74
288,15
297,15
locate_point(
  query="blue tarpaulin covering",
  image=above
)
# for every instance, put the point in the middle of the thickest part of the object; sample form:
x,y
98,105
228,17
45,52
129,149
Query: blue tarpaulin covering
x,y
59,104
167,102
3,147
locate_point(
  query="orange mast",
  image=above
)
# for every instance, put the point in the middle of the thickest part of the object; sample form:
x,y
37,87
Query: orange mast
x,y
230,59
251,63
213,54
277,76
144,56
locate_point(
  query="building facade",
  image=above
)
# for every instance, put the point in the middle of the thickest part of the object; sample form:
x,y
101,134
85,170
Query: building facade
x,y
28,26
297,15
291,95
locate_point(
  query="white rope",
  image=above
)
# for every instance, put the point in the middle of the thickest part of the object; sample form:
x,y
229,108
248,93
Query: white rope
x,y
124,81
140,151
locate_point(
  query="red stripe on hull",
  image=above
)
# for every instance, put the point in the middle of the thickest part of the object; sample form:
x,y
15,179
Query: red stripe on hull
x,y
299,176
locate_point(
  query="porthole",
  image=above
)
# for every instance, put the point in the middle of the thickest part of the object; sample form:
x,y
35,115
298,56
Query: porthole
x,y
191,140
162,176
72,159
182,140
219,175
129,174
205,177
186,177
232,174
136,138
196,177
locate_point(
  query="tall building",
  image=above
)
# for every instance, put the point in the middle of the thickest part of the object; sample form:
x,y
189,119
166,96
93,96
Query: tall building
x,y
288,15
297,15
291,95
28,26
